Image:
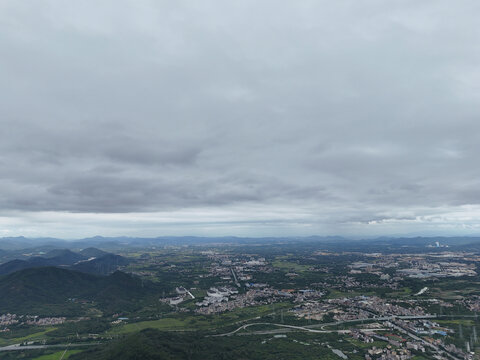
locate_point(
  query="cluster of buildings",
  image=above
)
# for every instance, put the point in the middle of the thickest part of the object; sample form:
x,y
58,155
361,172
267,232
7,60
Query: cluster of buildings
x,y
406,327
421,266
8,319
347,282
307,295
376,306
388,353
452,349
355,308
438,270
14,319
236,268
220,299
221,302
427,327
182,295
404,324
362,335
404,342
313,310
38,321
398,348
472,303
217,296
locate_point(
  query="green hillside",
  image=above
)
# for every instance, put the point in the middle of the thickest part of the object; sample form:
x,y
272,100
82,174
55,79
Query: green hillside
x,y
150,344
103,265
51,290
92,252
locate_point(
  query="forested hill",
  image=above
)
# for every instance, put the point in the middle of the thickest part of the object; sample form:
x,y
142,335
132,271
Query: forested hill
x,y
56,291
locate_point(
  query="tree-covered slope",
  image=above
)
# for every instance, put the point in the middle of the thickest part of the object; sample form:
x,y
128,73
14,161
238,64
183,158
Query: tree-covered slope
x,y
103,265
29,290
151,344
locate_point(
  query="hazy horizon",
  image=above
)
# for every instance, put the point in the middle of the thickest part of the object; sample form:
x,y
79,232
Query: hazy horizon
x,y
320,237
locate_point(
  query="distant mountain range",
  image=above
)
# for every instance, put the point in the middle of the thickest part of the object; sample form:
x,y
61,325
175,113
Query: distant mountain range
x,y
22,248
112,243
89,260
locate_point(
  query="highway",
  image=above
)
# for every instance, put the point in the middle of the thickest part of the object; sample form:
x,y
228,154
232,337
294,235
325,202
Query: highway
x,y
312,328
235,277
287,327
424,342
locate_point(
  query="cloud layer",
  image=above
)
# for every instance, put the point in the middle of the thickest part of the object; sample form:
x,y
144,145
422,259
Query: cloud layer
x,y
254,118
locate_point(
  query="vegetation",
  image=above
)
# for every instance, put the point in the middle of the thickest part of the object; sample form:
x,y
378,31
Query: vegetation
x,y
127,314
153,344
61,292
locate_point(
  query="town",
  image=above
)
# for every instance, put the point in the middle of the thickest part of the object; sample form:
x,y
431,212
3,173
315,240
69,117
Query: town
x,y
349,304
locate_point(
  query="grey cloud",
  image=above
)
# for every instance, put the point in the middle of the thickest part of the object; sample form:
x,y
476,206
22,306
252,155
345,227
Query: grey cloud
x,y
337,110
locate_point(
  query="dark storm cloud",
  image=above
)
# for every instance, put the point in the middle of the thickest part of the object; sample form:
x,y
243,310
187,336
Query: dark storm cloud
x,y
339,112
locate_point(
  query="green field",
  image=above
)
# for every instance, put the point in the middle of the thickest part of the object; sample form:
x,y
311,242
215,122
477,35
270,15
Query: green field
x,y
362,345
405,291
336,294
290,266
58,355
456,322
197,322
37,336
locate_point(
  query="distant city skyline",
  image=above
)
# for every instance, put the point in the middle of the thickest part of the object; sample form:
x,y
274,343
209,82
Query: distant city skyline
x,y
216,118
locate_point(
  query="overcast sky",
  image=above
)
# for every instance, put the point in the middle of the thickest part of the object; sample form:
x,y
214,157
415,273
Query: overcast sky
x,y
250,118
